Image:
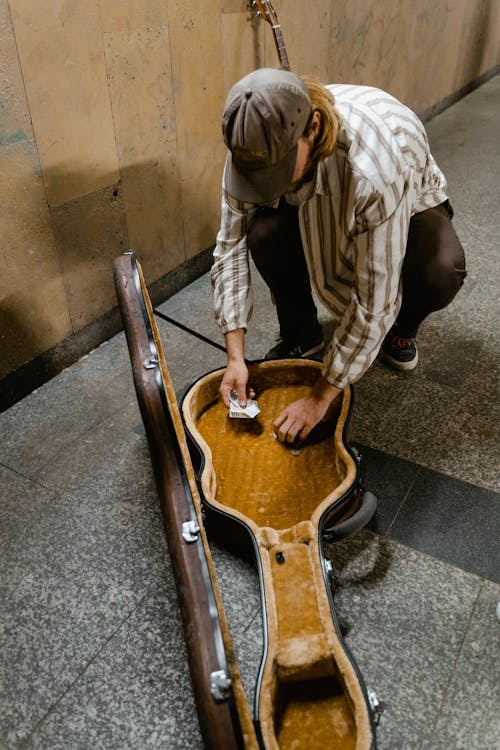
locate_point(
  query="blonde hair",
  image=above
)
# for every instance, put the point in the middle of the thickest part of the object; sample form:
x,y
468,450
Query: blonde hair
x,y
323,101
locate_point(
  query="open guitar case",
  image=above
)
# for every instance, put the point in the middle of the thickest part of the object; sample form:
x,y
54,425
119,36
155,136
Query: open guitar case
x,y
232,475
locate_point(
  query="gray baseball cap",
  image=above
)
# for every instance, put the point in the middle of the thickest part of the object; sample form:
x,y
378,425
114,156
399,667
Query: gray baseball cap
x,y
264,116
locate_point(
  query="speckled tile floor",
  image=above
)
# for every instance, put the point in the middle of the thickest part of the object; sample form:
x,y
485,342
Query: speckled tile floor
x,y
91,648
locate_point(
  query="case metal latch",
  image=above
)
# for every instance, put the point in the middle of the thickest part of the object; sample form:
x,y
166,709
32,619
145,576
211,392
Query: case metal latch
x,y
190,531
220,685
151,362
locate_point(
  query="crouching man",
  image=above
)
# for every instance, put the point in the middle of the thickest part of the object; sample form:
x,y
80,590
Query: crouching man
x,y
333,186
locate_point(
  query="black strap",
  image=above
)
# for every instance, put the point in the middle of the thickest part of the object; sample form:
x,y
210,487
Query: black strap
x,y
189,330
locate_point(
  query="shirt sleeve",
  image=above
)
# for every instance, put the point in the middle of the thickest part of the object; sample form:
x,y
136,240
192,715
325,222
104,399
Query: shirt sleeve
x,y
230,273
379,245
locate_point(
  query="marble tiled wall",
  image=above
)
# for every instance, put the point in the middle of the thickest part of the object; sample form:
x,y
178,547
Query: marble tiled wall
x,y
110,135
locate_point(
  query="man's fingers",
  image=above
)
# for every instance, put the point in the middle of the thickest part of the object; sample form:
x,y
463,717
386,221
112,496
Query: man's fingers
x,y
277,424
304,432
234,382
298,419
224,391
286,430
291,433
242,395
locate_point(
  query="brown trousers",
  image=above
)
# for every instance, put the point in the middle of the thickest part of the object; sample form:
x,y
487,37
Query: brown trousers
x,y
433,268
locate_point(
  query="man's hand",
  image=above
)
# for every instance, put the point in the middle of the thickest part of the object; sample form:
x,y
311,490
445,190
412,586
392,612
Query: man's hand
x,y
235,379
236,375
299,418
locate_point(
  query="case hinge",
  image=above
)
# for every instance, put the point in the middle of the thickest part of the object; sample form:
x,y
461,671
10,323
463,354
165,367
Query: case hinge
x,y
220,685
151,362
190,531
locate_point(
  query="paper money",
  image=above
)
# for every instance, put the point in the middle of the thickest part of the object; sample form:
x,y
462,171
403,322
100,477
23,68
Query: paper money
x,y
236,411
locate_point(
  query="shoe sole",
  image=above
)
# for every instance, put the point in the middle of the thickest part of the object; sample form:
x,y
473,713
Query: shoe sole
x,y
397,364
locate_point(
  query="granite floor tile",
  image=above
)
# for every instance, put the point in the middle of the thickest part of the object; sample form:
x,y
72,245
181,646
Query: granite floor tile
x,y
427,423
376,396
135,693
475,456
445,358
406,615
454,521
106,361
483,382
474,689
468,319
428,510
406,415
390,479
111,446
73,568
38,428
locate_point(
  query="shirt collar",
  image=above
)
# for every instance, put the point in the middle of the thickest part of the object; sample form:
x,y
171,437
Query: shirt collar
x,y
305,191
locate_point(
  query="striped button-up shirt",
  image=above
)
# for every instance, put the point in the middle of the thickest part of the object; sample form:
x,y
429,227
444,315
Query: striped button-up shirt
x,y
354,218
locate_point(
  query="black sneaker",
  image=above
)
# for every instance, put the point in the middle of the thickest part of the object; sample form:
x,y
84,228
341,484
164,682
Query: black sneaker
x,y
287,350
399,352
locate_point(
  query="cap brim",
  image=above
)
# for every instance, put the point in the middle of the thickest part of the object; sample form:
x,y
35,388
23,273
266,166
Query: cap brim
x,y
259,185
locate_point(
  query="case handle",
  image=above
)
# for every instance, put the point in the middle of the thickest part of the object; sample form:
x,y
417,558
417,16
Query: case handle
x,y
354,523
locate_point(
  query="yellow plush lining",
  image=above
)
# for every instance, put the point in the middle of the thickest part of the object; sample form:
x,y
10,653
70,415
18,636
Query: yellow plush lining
x,y
310,696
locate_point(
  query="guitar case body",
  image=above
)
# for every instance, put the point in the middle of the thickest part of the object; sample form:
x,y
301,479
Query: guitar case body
x,y
283,503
